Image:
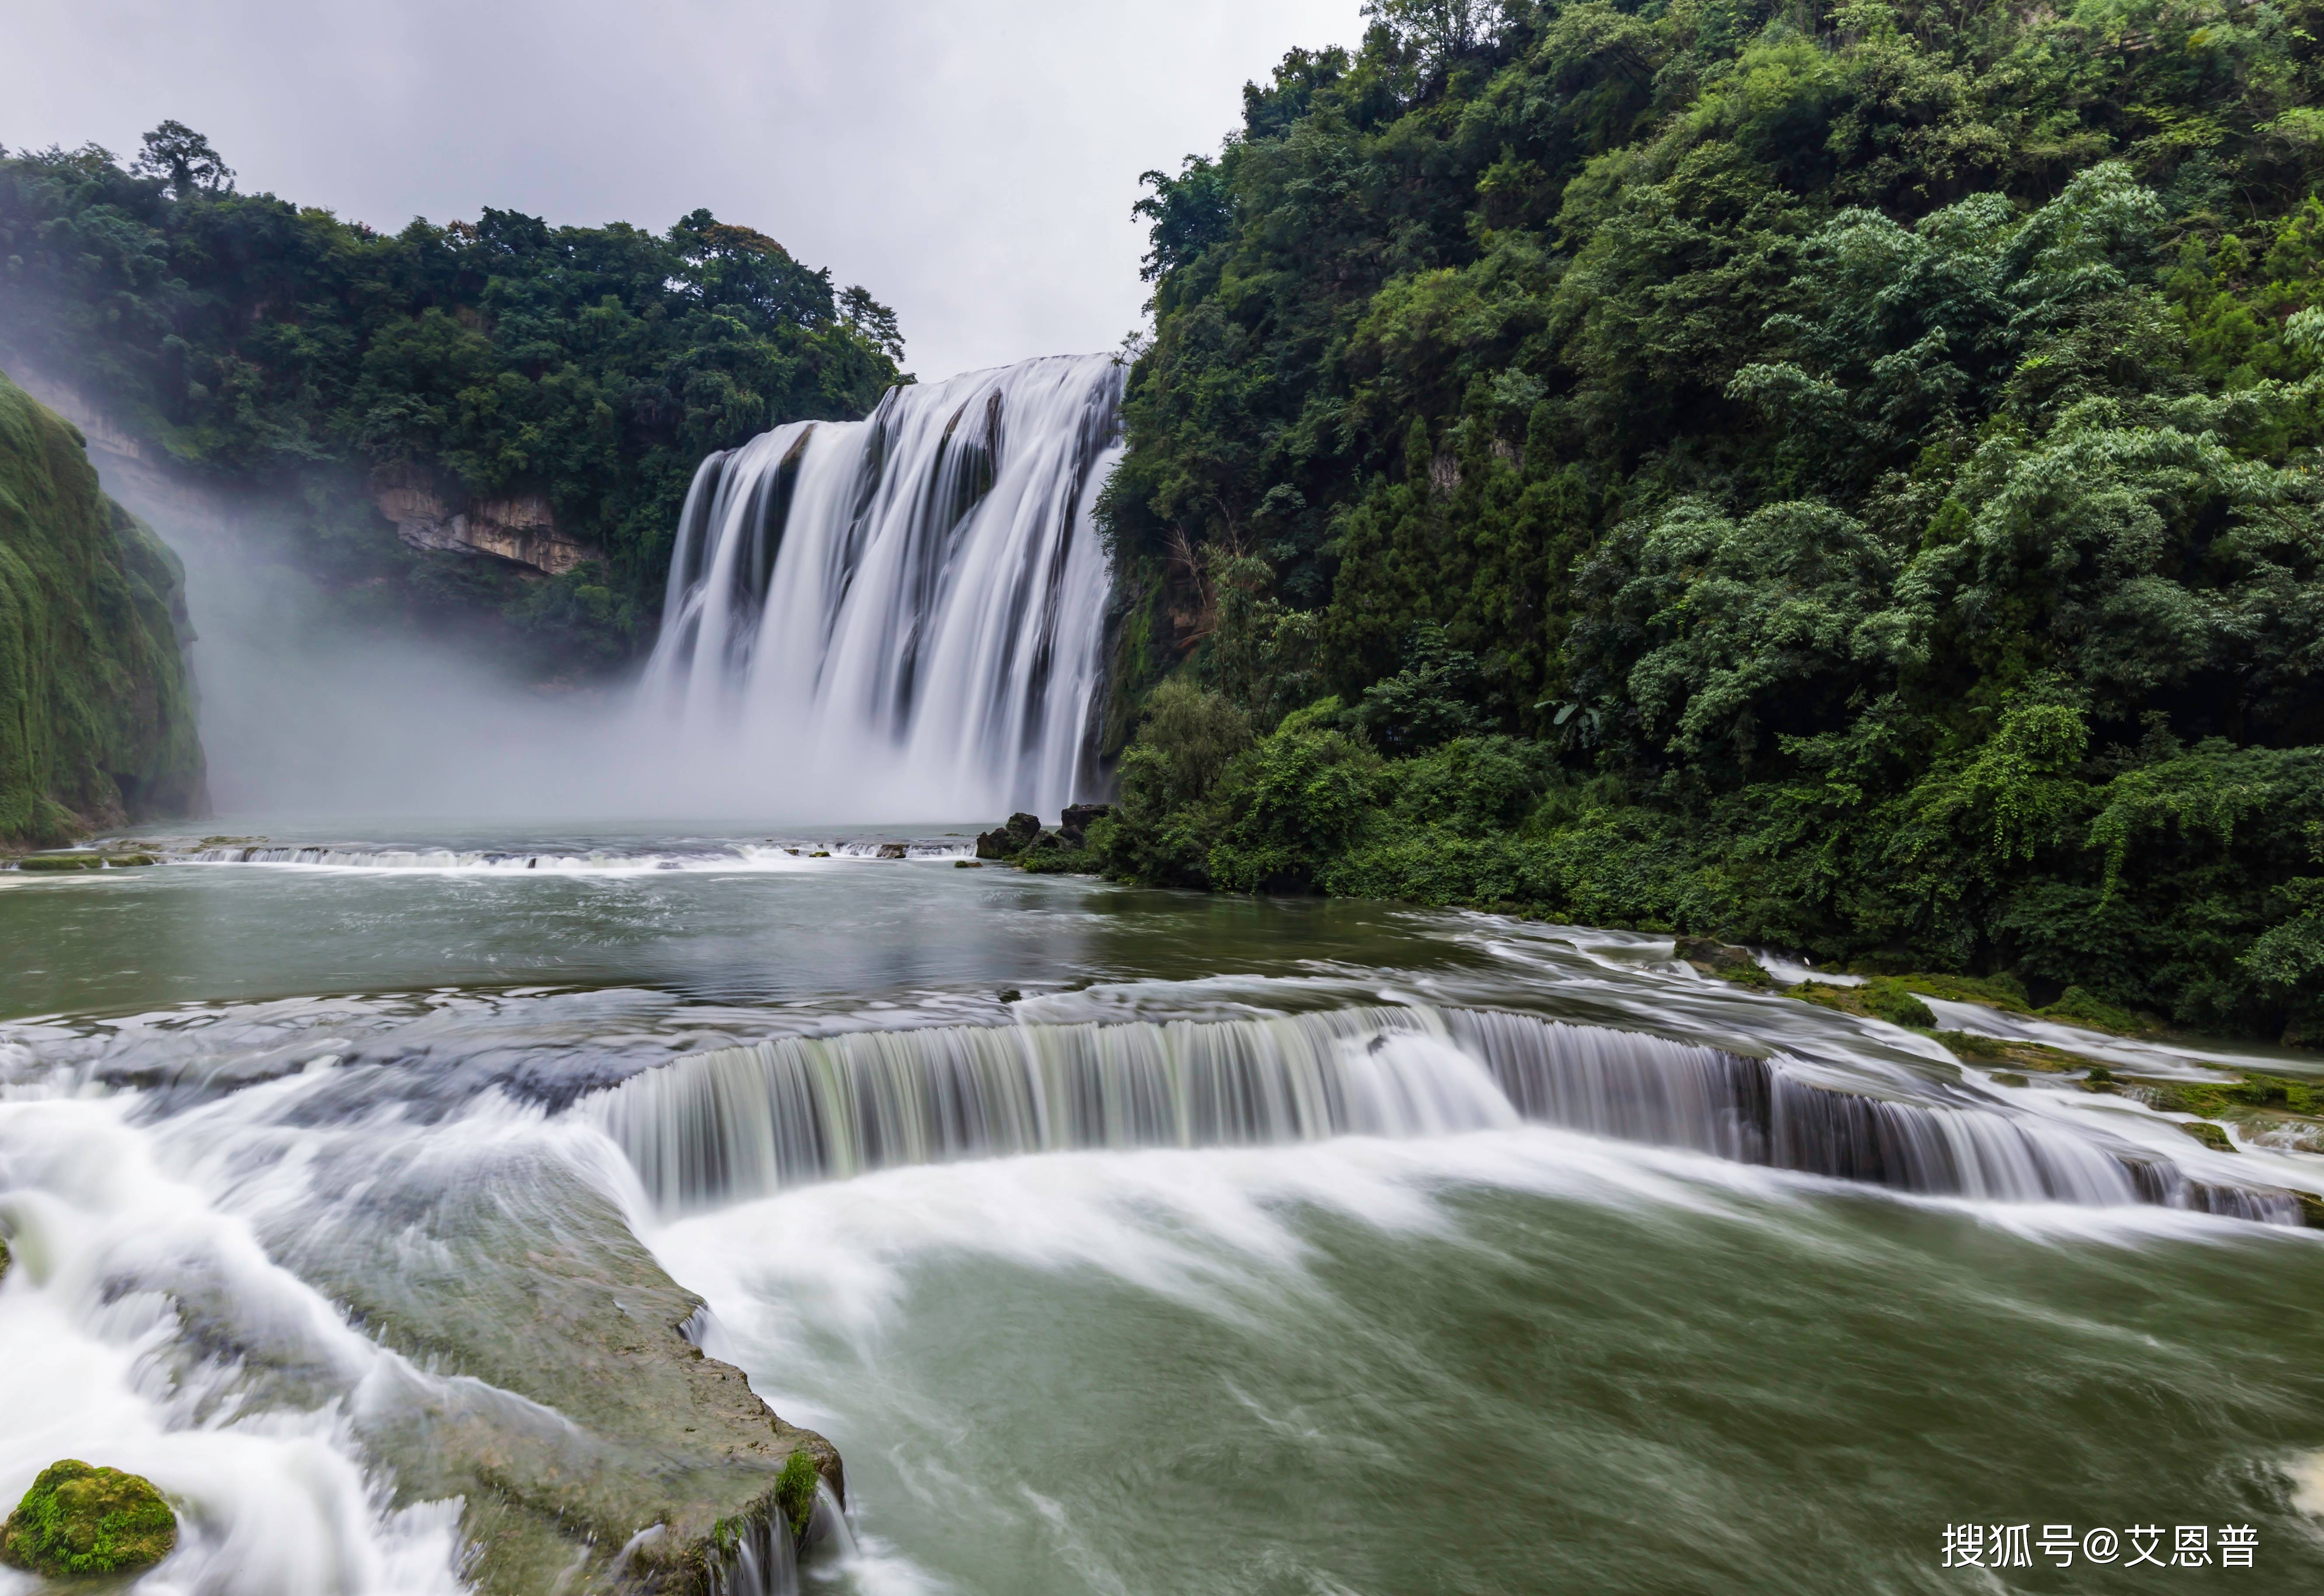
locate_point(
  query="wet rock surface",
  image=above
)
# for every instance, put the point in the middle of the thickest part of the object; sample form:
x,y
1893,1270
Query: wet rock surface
x,y
596,1417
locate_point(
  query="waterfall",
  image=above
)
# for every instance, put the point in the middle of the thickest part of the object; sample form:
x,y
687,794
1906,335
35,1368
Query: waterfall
x,y
903,615
747,1121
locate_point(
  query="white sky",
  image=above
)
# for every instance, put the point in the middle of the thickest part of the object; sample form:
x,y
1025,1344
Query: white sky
x,y
972,163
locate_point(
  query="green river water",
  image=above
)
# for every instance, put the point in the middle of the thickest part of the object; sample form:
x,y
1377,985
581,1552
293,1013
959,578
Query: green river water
x,y
1489,1358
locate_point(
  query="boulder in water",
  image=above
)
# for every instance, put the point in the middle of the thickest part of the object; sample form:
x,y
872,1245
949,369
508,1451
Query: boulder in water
x,y
1723,959
1006,842
894,851
54,862
82,1520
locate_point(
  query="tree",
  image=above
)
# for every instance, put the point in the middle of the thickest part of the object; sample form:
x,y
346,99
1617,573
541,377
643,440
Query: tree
x,y
184,159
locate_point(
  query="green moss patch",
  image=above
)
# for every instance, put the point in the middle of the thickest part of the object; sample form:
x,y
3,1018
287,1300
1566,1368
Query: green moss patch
x,y
2211,1136
2078,1007
1882,998
795,1490
82,1520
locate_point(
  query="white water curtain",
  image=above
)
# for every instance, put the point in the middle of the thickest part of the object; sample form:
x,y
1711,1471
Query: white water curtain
x,y
899,618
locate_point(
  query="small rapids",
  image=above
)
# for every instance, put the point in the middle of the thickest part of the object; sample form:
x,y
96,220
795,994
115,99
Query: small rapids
x,y
748,1121
770,856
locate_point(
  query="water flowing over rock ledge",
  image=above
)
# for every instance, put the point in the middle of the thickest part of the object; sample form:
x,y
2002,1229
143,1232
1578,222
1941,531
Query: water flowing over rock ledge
x,y
747,1121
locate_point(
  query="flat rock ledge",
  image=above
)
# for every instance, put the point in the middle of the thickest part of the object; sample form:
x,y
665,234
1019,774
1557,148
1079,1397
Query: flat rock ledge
x,y
601,1449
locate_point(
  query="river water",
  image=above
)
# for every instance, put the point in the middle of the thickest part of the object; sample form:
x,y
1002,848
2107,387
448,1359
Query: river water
x,y
1123,1241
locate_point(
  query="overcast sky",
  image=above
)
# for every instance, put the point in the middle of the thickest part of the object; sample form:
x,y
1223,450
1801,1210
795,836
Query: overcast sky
x,y
972,163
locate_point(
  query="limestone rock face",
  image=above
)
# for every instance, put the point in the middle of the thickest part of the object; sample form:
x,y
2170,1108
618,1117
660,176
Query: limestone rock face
x,y
520,529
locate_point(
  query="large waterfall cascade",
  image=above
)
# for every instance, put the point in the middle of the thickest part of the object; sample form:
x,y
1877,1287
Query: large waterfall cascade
x,y
905,615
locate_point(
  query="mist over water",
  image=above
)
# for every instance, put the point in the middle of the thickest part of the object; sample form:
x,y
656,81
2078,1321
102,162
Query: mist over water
x,y
892,620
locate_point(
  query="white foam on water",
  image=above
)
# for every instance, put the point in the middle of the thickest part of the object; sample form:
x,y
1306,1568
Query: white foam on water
x,y
97,1364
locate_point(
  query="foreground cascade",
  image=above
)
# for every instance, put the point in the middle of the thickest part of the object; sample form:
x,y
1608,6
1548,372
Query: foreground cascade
x,y
82,1520
743,1122
907,610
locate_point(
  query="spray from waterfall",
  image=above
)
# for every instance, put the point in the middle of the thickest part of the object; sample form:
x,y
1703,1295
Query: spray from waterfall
x,y
901,617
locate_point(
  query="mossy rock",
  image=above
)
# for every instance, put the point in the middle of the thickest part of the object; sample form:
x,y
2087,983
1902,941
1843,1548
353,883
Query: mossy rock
x,y
2004,991
82,1520
967,864
2037,1057
56,863
5,1259
1722,959
2211,1136
1883,998
2007,1078
2078,1007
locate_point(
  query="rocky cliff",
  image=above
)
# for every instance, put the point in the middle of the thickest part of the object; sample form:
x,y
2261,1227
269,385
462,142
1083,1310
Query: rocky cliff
x,y
96,705
520,529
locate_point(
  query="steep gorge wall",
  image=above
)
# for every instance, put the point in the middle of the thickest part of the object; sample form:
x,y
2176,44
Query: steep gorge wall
x,y
96,705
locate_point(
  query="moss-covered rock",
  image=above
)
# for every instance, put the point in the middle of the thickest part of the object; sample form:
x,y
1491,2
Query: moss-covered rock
x,y
82,1520
96,711
1882,998
2211,1136
1722,959
2077,1007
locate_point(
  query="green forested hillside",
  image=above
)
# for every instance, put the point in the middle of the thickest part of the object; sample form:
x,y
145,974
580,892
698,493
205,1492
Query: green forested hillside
x,y
1841,477
96,713
275,349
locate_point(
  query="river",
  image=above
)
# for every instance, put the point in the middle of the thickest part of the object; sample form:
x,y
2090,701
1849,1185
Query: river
x,y
1121,1241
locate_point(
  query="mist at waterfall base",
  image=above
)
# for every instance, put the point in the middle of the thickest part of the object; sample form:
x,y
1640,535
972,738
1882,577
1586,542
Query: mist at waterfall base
x,y
893,621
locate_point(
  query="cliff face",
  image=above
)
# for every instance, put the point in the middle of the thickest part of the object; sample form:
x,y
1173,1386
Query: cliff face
x,y
97,707
520,529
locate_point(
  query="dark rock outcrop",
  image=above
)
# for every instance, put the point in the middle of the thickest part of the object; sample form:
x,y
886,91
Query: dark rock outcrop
x,y
1073,824
1006,842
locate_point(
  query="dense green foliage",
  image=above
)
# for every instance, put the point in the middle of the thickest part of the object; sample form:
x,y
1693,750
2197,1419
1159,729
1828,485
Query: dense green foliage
x,y
1837,476
265,345
77,1520
96,714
